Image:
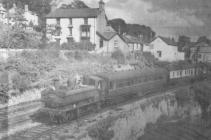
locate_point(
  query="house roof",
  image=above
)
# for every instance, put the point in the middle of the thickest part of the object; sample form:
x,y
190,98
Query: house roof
x,y
205,49
168,41
131,39
179,66
74,13
107,35
203,44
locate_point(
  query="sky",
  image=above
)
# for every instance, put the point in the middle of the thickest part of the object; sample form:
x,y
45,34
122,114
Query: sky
x,y
169,18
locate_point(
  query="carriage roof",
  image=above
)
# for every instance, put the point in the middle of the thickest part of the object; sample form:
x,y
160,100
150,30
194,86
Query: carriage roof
x,y
115,76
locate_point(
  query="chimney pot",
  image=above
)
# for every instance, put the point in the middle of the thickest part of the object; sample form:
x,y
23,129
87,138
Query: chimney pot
x,y
101,5
26,7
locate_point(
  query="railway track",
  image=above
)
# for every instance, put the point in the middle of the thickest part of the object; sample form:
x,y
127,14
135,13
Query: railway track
x,y
43,130
14,117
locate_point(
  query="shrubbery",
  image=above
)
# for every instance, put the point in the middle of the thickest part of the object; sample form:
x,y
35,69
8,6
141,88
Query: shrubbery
x,y
102,131
119,56
17,38
83,45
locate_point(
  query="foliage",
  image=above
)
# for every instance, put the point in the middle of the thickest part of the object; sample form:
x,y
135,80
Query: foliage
x,y
21,83
83,45
40,7
203,97
18,38
183,41
118,56
75,4
137,30
101,131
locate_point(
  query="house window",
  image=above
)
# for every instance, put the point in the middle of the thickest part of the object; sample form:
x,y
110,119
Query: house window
x,y
115,43
159,53
199,56
70,21
85,32
151,46
71,32
85,21
58,21
101,43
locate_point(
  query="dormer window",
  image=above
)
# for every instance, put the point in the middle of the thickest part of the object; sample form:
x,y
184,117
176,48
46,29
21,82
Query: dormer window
x,y
85,21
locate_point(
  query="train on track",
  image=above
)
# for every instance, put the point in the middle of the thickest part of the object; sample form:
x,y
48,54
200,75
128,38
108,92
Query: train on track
x,y
104,89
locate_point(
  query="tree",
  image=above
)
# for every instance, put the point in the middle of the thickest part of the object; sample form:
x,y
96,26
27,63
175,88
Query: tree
x,y
118,56
119,25
145,32
40,7
183,41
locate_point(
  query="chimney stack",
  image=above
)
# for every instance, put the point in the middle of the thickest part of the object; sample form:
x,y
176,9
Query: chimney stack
x,y
26,7
14,6
101,5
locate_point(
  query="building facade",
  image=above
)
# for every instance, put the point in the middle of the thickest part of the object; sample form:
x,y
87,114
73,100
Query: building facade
x,y
110,41
164,49
135,44
10,17
66,25
201,54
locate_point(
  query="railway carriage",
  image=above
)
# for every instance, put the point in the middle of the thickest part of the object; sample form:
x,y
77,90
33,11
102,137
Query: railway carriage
x,y
113,88
186,72
128,84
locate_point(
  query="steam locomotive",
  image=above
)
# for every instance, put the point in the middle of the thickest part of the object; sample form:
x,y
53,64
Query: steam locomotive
x,y
107,88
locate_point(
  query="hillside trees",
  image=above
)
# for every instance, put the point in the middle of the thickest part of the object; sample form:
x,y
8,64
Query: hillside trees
x,y
141,31
75,4
18,38
183,41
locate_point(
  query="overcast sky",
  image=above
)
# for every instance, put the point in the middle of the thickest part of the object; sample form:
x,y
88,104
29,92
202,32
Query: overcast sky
x,y
166,17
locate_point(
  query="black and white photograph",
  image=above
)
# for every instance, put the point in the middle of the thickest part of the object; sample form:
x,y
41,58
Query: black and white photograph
x,y
105,69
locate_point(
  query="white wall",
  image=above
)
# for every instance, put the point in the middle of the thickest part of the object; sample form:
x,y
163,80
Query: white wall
x,y
31,18
76,22
168,52
108,46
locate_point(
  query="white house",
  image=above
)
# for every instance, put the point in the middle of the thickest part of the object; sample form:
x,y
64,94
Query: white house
x,y
10,17
3,14
201,54
65,25
31,17
164,49
111,41
134,43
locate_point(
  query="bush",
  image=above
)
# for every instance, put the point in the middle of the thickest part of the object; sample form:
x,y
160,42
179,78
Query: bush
x,y
19,39
101,131
118,56
83,45
21,83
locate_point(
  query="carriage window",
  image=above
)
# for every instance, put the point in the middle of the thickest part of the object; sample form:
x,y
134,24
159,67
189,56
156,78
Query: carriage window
x,y
140,80
111,85
145,79
91,82
99,86
191,72
160,77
